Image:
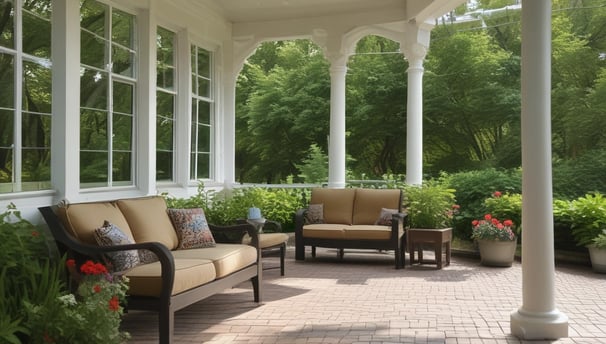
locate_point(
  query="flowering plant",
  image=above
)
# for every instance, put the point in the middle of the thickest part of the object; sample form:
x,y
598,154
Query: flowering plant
x,y
91,315
491,228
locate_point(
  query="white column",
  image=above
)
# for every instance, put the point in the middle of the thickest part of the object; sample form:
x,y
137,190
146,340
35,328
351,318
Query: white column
x,y
414,45
65,138
414,121
336,143
537,318
146,111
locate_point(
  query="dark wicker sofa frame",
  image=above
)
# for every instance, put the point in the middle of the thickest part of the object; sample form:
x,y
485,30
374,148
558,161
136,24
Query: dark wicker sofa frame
x,y
166,304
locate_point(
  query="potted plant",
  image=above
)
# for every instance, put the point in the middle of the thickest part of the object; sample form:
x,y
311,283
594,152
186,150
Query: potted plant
x,y
496,240
587,218
431,205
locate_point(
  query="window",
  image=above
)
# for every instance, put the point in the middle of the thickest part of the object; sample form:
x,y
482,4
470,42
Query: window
x,y
165,104
25,95
202,113
107,95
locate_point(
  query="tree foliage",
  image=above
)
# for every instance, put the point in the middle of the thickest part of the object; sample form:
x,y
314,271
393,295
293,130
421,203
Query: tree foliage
x,y
471,106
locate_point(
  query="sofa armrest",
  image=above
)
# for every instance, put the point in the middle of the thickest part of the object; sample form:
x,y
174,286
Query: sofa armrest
x,y
233,234
300,219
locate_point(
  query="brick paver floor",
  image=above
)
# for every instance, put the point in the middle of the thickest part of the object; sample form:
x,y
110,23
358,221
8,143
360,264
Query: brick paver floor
x,y
363,299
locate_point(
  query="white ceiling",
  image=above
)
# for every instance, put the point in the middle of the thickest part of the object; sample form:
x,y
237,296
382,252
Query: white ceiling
x,y
241,11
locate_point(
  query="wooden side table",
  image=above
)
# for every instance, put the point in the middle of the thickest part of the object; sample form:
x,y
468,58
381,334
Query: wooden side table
x,y
438,238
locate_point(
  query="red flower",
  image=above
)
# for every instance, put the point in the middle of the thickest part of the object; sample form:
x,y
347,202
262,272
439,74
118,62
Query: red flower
x,y
497,194
487,217
70,263
456,206
114,303
500,226
35,234
495,221
97,288
508,223
475,222
90,268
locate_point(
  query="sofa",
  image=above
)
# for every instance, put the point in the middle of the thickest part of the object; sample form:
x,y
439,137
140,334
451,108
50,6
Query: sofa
x,y
355,218
171,257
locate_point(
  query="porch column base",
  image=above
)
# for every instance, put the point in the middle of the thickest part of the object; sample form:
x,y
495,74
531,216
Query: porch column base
x,y
536,326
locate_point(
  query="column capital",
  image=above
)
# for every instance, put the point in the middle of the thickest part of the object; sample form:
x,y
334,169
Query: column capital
x,y
415,44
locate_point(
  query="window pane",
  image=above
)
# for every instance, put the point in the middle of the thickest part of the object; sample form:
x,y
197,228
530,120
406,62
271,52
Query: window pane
x,y
123,97
37,85
7,81
93,89
7,127
93,50
93,130
36,130
203,166
165,104
122,132
6,168
92,16
123,28
204,112
37,30
203,63
203,87
93,168
165,47
122,61
164,133
7,14
121,166
164,165
203,138
36,166
165,77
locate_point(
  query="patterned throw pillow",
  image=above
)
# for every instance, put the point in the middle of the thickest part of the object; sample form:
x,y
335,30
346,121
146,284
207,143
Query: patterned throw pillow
x,y
385,216
192,228
314,214
110,235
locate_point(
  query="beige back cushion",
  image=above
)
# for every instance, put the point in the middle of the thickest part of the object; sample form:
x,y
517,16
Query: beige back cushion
x,y
149,221
338,204
82,219
368,204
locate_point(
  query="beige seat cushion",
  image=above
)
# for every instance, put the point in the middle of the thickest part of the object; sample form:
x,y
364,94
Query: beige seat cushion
x,y
337,204
324,231
368,204
367,232
145,280
268,239
149,220
82,219
227,258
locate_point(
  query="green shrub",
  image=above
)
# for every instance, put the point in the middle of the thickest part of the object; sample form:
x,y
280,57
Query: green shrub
x,y
577,177
431,205
586,217
228,205
473,187
506,206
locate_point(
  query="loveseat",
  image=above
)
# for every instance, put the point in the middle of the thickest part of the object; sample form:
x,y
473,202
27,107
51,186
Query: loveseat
x,y
187,262
354,218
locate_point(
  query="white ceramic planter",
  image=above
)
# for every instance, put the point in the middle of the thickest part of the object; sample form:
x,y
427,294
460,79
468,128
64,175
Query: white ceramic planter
x,y
497,253
598,259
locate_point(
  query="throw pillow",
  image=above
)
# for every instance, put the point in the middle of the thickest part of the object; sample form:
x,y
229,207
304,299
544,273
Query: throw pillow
x,y
147,257
192,228
314,214
385,216
110,235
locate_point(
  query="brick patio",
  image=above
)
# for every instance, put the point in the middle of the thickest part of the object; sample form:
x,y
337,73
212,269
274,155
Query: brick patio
x,y
363,299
